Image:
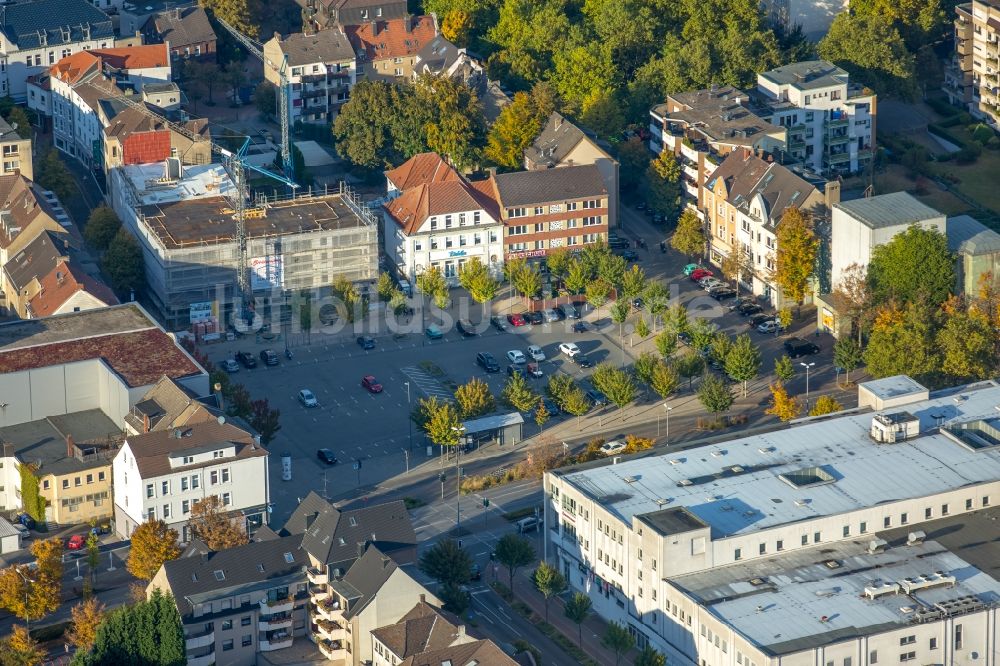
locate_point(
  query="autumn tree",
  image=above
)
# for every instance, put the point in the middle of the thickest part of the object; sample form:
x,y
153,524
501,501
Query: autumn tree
x,y
514,130
967,342
542,415
153,543
825,404
236,13
641,328
211,523
644,365
264,420
148,632
476,278
34,592
783,406
443,424
456,25
689,237
736,266
365,125
87,617
795,260
474,398
665,379
20,649
527,280
852,297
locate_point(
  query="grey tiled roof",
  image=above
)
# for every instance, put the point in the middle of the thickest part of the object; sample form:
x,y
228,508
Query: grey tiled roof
x,y
327,46
53,22
554,142
525,188
366,577
43,442
184,27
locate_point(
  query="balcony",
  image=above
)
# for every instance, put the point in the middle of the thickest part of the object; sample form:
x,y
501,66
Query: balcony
x,y
837,158
691,172
692,190
796,144
317,576
841,121
331,631
865,154
277,643
327,608
201,640
272,607
314,78
333,650
689,153
837,140
313,93
203,660
275,622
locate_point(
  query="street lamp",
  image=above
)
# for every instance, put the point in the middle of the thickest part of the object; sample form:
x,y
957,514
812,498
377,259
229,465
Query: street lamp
x,y
27,586
807,366
458,481
409,409
667,408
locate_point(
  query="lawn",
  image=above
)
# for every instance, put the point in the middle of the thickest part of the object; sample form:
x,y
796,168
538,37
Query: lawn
x,y
894,178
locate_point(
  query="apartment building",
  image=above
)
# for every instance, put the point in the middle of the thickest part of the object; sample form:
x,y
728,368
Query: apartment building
x,y
549,209
15,152
26,213
321,71
701,127
424,628
68,288
971,79
187,30
320,14
439,57
23,274
730,537
433,217
830,120
387,49
130,136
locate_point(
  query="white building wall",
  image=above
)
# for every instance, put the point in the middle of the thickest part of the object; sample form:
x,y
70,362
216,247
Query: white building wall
x,y
414,252
853,241
63,389
13,76
78,302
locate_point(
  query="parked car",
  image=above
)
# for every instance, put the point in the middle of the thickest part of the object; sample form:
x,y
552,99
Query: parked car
x,y
581,361
739,302
516,320
551,407
641,205
366,342
535,352
628,255
569,311
700,273
326,456
756,320
466,328
269,357
550,315
526,524
229,365
535,318
516,356
534,370
637,303
247,359
613,447
723,294
580,327
370,384
307,398
475,572
26,520
433,332
76,542
499,323
796,347
719,286
487,362
569,349
684,337
748,309
515,370
771,326
658,219
596,397
708,283
691,268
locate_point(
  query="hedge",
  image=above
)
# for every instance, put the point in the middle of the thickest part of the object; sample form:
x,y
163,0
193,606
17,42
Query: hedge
x,y
947,135
942,106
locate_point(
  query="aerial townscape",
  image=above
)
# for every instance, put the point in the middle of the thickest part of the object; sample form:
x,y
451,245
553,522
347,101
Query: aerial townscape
x,y
500,332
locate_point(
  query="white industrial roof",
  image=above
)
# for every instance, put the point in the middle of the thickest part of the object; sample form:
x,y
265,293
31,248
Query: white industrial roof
x,y
735,487
888,210
896,386
795,601
201,180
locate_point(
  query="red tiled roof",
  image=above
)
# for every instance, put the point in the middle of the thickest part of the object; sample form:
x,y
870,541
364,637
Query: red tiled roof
x,y
392,39
135,57
74,68
59,286
139,357
420,169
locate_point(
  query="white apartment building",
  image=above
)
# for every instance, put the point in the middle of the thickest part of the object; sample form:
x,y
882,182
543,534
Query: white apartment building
x,y
830,122
160,475
654,540
320,71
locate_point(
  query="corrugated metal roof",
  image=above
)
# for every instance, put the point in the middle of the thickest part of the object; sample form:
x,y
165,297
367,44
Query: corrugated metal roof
x,y
968,235
888,210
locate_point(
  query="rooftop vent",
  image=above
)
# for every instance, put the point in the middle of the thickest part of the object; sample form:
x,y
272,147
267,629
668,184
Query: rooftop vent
x,y
832,564
880,589
915,538
630,479
758,581
877,546
685,482
662,501
926,581
894,427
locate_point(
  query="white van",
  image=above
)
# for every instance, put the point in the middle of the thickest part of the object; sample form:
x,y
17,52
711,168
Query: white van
x,y
526,524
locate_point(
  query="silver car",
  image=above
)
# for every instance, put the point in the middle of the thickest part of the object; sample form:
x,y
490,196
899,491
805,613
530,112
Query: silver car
x,y
307,398
550,315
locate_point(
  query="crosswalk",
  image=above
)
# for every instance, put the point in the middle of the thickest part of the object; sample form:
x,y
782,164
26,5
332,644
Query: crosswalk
x,y
427,383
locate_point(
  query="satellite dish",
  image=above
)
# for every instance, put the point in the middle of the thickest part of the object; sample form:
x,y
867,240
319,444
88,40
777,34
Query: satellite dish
x,y
221,419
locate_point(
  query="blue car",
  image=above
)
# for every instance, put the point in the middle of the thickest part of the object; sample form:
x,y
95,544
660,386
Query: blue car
x,y
433,332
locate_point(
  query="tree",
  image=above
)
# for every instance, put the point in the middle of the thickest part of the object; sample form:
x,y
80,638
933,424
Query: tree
x,y
663,184
620,310
872,50
442,426
20,649
902,342
650,657
474,398
577,609
514,130
265,98
93,555
32,593
549,582
527,281
576,403
557,261
264,420
968,345
447,562
148,632
211,523
514,552
784,368
644,365
657,298
795,260
123,264
19,119
617,639
852,297
690,365
598,292
784,318
153,543
847,354
87,617
702,333
611,269
783,406
736,265
475,277
456,25
527,34
721,345
714,394
364,125
576,277
743,361
618,385
52,174
456,127
432,282
236,13
825,404
641,327
558,387
665,379
541,415
102,227
633,160
676,320
602,113
689,237
518,394
424,411
915,265
385,286
580,74
633,282
455,599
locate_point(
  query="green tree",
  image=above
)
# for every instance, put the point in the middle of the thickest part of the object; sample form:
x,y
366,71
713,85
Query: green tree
x,y
385,286
644,365
904,343
558,387
641,327
456,128
263,419
825,404
123,263
598,292
442,426
447,562
847,354
20,121
714,394
575,402
689,365
676,320
265,98
527,281
518,394
915,265
968,346
558,261
424,411
689,237
784,368
432,283
743,361
650,657
527,34
577,609
514,130
721,345
148,632
702,333
611,269
663,185
102,227
656,298
795,260
52,174
872,50
620,310
93,555
633,282
549,582
577,277
153,543
455,599
580,74
617,639
475,277
665,379
474,398
514,552
618,385
633,160
364,125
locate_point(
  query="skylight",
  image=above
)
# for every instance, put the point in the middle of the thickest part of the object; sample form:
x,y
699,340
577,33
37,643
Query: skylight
x,y
809,477
289,558
220,575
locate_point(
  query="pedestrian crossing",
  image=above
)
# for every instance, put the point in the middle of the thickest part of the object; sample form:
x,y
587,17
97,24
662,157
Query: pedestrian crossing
x,y
427,383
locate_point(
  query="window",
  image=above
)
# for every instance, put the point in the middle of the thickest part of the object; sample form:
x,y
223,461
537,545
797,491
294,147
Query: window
x,y
227,624
247,640
477,217
539,228
184,483
245,620
214,477
887,522
816,537
45,484
149,490
226,499
434,223
944,509
151,514
227,645
187,460
847,530
958,637
166,510
873,657
77,482
933,644
101,476
517,230
447,221
968,504
863,528
908,640
194,481
654,564
517,212
779,545
738,554
90,479
592,203
986,500
904,518
225,475
763,549
805,539
165,488
186,507
908,656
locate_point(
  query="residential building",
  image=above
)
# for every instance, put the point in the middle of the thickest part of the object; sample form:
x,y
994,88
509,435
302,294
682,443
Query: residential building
x,y
320,14
15,151
554,208
433,217
439,57
68,288
862,224
971,79
38,33
165,96
701,127
745,200
781,542
169,405
133,137
184,223
830,121
22,275
482,651
186,30
423,629
561,143
387,49
977,254
161,474
320,72
27,212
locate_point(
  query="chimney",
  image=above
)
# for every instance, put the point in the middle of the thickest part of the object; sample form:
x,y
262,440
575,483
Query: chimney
x,y
70,447
423,598
361,548
218,396
831,192
374,25
408,23
145,423
59,277
385,562
461,631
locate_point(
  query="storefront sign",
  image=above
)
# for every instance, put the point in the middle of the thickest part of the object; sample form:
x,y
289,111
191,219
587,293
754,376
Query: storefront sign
x,y
527,254
457,253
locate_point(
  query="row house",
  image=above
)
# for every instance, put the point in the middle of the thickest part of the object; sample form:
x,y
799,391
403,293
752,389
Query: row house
x,y
15,152
972,78
320,71
186,30
387,49
321,14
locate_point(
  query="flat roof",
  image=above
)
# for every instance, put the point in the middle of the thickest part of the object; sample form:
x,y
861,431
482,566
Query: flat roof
x,y
43,442
211,220
736,488
896,386
888,210
493,422
807,598
807,75
197,181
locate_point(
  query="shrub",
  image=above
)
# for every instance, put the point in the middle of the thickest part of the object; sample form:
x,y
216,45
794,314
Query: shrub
x,y
970,153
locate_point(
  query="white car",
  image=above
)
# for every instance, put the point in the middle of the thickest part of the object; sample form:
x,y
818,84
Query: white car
x,y
613,447
536,353
516,357
710,282
307,398
569,348
769,327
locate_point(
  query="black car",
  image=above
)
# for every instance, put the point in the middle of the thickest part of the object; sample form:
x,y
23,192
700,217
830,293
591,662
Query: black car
x,y
658,219
499,323
269,357
618,244
568,311
684,337
247,359
366,342
551,407
596,397
628,255
796,347
475,572
516,370
534,318
748,309
758,319
637,303
487,362
466,328
723,294
579,327
581,361
326,456
739,302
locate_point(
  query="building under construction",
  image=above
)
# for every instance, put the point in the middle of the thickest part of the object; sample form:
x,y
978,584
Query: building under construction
x,y
187,229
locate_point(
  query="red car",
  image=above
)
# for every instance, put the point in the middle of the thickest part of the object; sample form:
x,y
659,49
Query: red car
x,y
516,320
371,384
76,542
701,273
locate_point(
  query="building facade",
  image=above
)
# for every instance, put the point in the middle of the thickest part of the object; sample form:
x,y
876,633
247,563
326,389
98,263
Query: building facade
x,y
321,71
387,49
187,31
971,78
15,152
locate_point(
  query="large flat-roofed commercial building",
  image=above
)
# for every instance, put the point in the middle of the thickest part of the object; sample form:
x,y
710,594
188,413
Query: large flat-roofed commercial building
x,y
626,533
187,229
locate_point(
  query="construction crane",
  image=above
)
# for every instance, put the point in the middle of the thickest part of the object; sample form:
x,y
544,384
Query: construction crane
x,y
257,49
236,165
